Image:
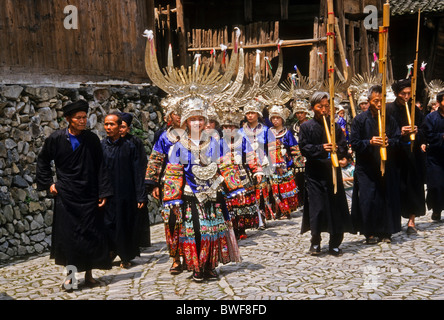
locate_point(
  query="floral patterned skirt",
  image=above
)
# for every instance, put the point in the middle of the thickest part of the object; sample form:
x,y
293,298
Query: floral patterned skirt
x,y
284,191
206,239
244,216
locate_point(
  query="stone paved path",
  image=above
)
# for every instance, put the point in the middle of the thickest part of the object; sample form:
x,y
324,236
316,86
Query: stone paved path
x,y
275,266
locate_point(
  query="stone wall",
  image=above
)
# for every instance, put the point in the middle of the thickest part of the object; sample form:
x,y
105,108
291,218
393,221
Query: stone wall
x,y
30,114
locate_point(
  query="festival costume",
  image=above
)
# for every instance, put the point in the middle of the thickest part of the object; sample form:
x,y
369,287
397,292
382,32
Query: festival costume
x,y
197,184
158,175
303,90
281,148
237,150
258,139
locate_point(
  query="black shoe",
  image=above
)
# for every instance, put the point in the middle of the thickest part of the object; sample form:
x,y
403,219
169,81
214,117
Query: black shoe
x,y
436,216
371,240
315,249
211,274
335,252
197,276
411,230
176,268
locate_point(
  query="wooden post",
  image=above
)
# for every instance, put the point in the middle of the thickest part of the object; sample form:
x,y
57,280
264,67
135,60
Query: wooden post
x,y
314,59
181,32
150,14
248,10
341,49
284,9
351,52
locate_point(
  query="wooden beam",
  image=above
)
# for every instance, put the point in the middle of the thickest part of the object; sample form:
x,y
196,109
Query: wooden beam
x,y
285,44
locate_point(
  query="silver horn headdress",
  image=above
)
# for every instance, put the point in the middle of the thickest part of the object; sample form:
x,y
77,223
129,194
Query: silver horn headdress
x,y
197,85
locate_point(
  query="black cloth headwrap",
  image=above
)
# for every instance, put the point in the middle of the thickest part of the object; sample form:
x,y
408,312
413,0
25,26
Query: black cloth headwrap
x,y
74,107
397,86
128,118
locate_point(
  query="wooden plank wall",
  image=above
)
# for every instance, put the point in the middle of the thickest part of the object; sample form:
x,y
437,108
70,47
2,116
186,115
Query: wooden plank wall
x,y
108,43
254,34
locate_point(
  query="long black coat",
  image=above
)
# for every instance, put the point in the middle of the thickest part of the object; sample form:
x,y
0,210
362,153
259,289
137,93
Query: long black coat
x,y
324,211
375,203
434,132
411,164
78,236
122,217
144,226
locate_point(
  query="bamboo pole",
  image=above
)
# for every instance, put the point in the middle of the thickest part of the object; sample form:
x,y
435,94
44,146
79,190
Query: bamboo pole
x,y
414,82
331,82
383,37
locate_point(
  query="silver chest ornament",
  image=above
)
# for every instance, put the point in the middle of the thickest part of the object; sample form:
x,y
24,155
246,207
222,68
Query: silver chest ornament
x,y
204,173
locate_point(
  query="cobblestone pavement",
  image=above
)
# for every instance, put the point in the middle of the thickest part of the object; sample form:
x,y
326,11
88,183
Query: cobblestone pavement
x,y
275,266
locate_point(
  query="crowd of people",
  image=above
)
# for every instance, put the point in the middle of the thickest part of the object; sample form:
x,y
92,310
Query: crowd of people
x,y
220,174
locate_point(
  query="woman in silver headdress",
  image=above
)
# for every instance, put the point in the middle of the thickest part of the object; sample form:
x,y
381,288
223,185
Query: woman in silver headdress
x,y
195,176
281,148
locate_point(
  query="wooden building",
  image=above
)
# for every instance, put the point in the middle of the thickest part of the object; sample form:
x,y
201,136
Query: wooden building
x,y
108,44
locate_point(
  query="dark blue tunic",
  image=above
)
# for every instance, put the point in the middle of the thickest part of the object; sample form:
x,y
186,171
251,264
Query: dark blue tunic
x,y
324,211
434,132
375,203
78,236
122,217
411,164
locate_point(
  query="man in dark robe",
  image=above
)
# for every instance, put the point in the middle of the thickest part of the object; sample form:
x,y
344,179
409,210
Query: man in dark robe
x,y
375,203
78,236
122,216
125,128
410,161
324,210
434,132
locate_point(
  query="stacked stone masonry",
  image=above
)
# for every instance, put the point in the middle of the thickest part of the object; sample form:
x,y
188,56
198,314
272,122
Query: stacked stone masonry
x,y
28,115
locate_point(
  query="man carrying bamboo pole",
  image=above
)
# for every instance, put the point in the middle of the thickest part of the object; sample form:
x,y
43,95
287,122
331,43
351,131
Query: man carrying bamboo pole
x,y
375,206
324,209
410,161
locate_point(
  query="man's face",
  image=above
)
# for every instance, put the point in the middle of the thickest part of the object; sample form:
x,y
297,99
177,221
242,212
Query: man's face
x,y
124,129
440,105
112,126
321,109
404,95
78,120
375,102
